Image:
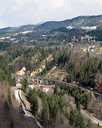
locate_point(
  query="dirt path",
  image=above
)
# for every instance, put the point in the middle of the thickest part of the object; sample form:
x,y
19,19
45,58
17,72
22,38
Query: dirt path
x,y
91,117
40,106
21,98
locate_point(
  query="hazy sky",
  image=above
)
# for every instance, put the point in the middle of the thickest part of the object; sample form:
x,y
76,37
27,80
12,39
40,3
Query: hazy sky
x,y
19,12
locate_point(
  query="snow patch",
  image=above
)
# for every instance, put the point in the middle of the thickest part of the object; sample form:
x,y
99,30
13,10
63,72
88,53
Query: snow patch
x,y
89,27
69,27
26,32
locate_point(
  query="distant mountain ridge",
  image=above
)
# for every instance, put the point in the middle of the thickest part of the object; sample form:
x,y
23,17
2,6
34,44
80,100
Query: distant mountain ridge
x,y
17,29
74,22
78,26
50,25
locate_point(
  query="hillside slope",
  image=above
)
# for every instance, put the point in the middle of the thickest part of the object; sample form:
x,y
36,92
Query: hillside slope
x,y
10,116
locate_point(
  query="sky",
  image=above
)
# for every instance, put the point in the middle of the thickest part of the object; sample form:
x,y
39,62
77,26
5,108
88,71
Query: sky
x,y
22,12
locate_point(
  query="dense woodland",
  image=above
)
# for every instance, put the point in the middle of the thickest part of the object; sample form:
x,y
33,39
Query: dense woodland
x,y
83,68
56,110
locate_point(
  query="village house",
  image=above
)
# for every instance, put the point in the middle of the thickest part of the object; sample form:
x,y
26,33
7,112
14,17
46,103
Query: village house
x,y
34,82
22,72
47,88
44,86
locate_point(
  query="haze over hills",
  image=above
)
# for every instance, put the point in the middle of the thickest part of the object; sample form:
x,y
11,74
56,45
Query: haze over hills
x,y
77,22
80,21
55,30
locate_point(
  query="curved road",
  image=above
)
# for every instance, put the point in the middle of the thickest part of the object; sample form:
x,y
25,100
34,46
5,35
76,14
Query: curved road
x,y
91,118
21,98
